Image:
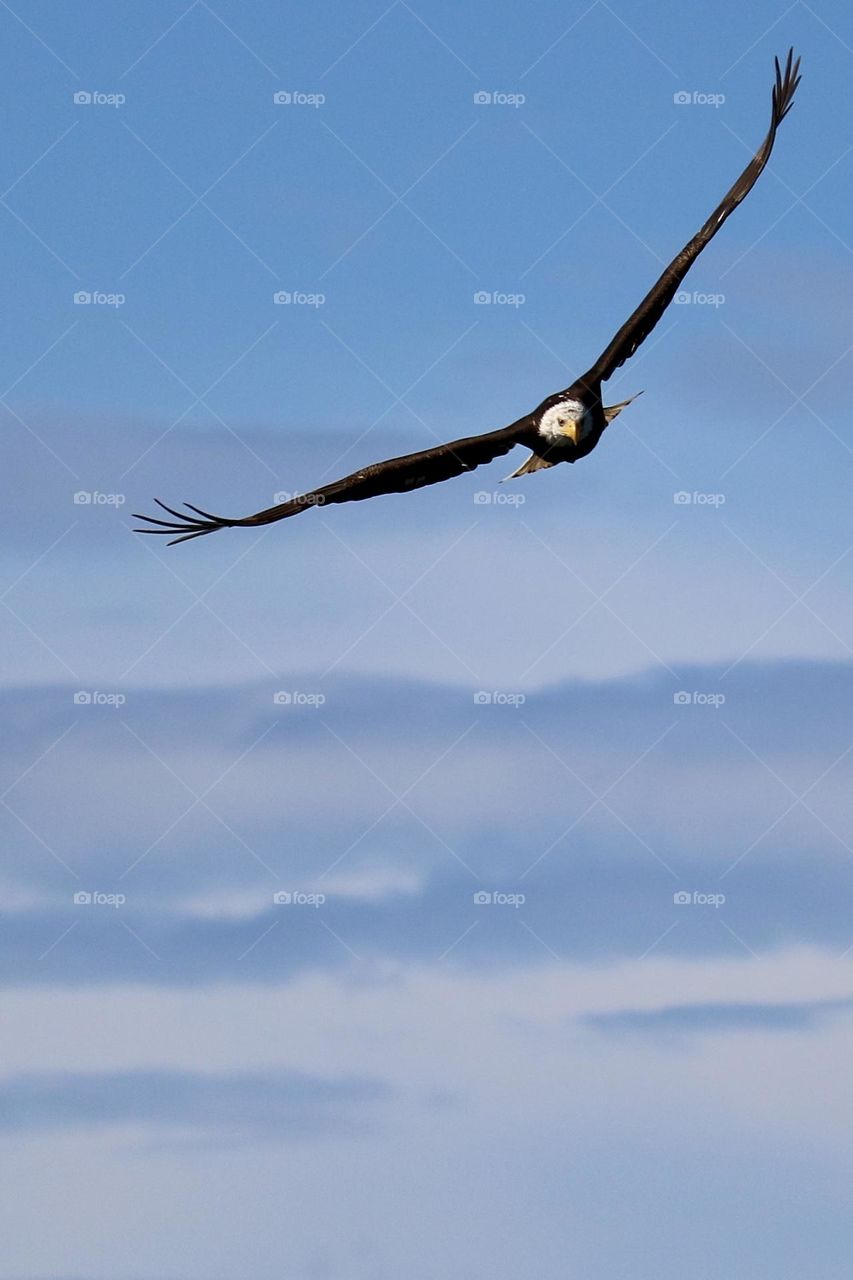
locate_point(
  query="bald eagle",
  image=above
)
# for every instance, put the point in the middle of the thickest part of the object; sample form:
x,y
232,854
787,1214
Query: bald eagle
x,y
565,427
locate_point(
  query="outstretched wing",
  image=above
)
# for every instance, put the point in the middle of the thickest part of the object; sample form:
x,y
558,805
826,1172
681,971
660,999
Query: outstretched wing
x,y
396,475
639,326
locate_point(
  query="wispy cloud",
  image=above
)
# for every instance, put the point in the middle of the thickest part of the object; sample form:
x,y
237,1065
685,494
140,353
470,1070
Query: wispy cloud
x,y
238,1106
709,1019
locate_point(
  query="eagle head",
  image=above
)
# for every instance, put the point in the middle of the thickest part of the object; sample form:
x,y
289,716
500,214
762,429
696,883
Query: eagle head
x,y
566,421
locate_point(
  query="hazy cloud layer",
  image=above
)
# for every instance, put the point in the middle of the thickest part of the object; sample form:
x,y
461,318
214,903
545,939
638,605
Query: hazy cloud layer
x,y
220,832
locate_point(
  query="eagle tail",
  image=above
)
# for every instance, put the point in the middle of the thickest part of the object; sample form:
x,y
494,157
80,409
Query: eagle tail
x,y
533,463
612,411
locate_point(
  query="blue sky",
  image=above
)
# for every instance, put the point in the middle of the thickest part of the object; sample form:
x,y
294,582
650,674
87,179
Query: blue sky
x,y
457,883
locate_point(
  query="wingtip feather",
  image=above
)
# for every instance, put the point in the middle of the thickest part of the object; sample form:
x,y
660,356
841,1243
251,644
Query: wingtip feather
x,y
187,526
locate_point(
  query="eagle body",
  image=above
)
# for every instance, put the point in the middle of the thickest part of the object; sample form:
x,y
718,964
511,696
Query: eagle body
x,y
565,427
